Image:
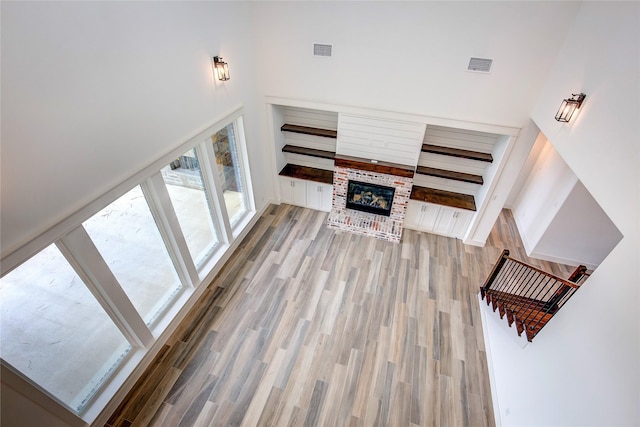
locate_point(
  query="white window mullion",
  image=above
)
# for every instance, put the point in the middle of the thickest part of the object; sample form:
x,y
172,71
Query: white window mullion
x,y
241,146
79,250
159,201
214,191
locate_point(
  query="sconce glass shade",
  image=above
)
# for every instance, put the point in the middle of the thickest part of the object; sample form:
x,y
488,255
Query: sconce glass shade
x,y
221,68
569,106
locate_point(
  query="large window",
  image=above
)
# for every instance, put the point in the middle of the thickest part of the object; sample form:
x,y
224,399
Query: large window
x,y
230,173
80,314
55,332
128,239
193,207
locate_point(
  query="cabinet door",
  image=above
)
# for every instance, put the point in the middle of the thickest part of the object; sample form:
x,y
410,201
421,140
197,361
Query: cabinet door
x,y
413,216
327,197
293,191
453,222
314,195
462,221
429,217
445,221
421,216
319,196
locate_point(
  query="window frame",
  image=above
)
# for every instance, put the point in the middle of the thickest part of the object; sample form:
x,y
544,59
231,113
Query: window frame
x,y
79,250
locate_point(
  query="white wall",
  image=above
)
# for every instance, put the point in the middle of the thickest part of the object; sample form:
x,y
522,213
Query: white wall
x,y
580,233
412,56
547,187
583,369
498,180
531,157
94,91
557,217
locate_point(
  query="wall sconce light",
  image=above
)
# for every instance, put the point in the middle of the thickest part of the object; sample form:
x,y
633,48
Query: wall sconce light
x,y
221,67
569,106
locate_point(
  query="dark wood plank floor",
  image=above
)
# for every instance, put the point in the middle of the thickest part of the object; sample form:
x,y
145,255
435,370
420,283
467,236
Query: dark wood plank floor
x,y
310,326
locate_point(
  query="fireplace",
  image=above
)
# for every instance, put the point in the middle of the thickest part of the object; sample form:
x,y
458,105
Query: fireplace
x,y
371,198
353,180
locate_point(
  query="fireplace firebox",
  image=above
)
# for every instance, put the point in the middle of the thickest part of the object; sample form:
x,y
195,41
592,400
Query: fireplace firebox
x,y
372,198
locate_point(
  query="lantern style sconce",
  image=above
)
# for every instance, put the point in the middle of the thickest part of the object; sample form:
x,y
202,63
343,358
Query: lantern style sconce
x,y
221,68
569,106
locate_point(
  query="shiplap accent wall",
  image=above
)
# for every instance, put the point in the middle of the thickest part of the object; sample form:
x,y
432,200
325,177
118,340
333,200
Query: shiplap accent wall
x,y
446,184
460,138
450,163
311,118
379,139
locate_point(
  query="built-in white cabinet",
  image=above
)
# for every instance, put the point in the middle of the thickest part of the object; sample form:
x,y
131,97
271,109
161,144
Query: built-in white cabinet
x,y
308,194
319,196
293,191
437,219
421,216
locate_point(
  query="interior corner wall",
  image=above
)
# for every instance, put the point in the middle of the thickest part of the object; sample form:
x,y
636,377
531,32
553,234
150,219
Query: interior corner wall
x,y
516,157
582,368
579,233
17,410
544,192
92,92
538,144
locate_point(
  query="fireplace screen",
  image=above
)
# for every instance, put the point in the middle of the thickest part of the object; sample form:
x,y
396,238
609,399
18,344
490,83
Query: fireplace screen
x,y
372,198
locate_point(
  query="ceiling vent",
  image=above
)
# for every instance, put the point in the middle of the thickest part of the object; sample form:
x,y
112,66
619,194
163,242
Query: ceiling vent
x,y
480,65
322,49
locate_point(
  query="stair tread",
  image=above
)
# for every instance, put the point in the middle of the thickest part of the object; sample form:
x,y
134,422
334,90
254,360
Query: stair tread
x,y
457,152
447,174
528,314
323,154
307,130
442,197
310,174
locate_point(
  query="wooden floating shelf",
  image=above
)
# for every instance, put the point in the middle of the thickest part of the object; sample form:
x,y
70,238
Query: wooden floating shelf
x,y
309,130
457,176
456,152
374,166
305,172
441,197
309,152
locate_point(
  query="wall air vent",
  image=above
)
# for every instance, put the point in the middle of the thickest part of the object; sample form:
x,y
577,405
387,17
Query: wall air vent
x,y
322,49
480,65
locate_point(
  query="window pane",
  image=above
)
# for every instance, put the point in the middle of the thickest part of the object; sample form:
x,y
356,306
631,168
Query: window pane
x,y
230,173
128,239
55,332
186,189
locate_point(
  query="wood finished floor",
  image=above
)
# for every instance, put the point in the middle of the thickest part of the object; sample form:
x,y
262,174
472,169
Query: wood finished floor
x,y
306,326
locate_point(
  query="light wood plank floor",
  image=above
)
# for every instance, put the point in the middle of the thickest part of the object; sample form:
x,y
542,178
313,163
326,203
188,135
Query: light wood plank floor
x,y
309,326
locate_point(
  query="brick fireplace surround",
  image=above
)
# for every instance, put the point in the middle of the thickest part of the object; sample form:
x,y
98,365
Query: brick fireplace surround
x,y
388,174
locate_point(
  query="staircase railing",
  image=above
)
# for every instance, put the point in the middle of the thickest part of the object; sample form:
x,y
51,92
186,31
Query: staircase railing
x,y
528,296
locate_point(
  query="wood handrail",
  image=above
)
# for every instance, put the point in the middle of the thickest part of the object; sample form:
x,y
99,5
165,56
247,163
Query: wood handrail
x,y
494,271
528,295
559,279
